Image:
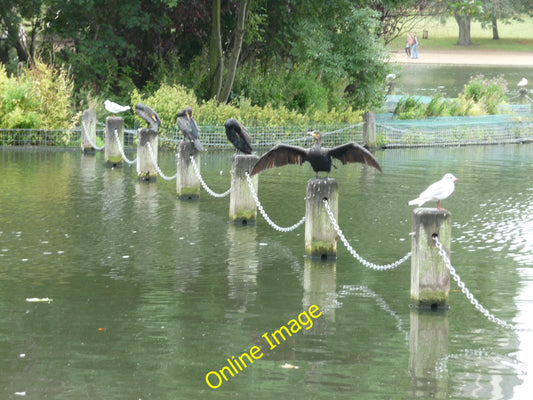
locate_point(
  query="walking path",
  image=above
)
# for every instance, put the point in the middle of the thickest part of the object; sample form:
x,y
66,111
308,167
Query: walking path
x,y
466,57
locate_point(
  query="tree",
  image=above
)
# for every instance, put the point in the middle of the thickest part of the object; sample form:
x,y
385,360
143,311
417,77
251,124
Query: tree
x,y
343,49
216,54
13,15
501,10
463,12
398,16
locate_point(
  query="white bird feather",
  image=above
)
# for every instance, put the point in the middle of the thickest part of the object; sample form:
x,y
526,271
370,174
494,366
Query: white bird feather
x,y
436,191
115,108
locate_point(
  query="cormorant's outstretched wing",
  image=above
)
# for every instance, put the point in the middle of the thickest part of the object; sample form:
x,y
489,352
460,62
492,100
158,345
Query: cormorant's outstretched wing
x,y
281,155
238,136
353,152
149,115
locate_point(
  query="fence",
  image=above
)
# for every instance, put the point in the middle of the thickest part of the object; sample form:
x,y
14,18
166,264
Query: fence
x,y
452,131
435,131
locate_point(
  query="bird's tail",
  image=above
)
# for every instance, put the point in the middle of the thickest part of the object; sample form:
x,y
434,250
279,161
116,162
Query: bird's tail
x,y
198,145
417,202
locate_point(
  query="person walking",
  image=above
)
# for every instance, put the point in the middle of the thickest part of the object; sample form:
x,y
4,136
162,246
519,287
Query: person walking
x,y
408,44
414,47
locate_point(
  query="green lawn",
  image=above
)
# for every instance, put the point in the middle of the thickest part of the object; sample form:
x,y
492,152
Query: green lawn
x,y
517,36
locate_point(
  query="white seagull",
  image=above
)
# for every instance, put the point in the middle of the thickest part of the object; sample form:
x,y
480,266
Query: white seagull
x,y
522,83
436,191
115,108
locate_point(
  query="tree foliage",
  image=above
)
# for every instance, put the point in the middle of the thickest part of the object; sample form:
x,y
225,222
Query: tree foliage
x,y
305,55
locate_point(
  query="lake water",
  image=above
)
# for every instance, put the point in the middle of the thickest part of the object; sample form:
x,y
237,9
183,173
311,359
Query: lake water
x,y
449,81
149,293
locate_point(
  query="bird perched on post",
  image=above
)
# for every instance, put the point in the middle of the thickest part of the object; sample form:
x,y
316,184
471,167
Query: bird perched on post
x,y
149,115
436,191
238,136
319,157
115,108
188,127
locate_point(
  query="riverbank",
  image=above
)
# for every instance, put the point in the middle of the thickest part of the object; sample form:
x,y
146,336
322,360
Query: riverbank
x,y
467,56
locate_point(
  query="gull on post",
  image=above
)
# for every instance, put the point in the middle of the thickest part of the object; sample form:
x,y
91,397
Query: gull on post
x,y
436,191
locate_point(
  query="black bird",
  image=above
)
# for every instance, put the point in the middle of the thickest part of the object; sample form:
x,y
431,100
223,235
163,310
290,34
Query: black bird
x,y
238,136
319,157
188,127
149,115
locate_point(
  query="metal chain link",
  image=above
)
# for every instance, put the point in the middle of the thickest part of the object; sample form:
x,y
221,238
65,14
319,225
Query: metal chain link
x,y
263,212
86,131
207,189
152,156
366,263
122,150
491,317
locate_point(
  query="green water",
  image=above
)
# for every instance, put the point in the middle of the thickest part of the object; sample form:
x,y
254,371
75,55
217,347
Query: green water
x,y
449,81
150,293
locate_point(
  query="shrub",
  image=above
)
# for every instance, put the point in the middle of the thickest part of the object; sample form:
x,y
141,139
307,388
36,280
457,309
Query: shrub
x,y
37,97
169,99
489,93
410,108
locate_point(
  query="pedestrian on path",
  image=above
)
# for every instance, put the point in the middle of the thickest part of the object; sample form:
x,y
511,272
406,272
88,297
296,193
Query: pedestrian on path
x,y
414,47
408,44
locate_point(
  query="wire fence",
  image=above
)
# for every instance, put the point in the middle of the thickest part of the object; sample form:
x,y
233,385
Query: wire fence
x,y
452,131
435,131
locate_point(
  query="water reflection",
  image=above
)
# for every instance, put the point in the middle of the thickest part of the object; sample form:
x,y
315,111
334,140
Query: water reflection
x,y
428,351
320,288
242,266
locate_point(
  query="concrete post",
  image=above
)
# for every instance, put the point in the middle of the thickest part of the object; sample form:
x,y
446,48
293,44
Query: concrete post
x,y
430,278
146,170
242,207
113,158
187,183
88,128
320,235
369,129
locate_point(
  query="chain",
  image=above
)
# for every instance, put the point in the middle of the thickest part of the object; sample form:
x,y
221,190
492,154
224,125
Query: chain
x,y
207,189
152,156
263,212
366,263
86,131
469,295
122,150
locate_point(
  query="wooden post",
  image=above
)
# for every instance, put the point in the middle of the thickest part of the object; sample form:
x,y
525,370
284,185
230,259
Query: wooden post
x,y
320,235
113,158
430,278
88,128
187,183
428,352
146,170
369,129
242,207
523,95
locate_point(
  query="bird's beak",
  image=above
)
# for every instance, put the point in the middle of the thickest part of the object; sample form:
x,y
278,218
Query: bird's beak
x,y
312,133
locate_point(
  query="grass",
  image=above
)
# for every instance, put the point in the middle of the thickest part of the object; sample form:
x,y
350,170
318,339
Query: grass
x,y
516,36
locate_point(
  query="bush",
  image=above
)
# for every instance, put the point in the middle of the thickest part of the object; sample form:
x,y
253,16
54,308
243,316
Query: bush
x,y
169,99
489,93
410,108
37,97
